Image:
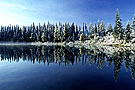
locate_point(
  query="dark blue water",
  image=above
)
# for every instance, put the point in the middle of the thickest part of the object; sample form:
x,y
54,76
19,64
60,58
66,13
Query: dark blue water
x,y
59,68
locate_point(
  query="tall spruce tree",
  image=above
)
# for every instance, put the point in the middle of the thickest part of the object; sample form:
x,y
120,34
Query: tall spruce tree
x,y
127,32
102,29
76,32
63,33
42,35
133,26
109,29
55,33
86,30
91,29
98,27
117,33
95,29
79,31
59,32
83,28
72,31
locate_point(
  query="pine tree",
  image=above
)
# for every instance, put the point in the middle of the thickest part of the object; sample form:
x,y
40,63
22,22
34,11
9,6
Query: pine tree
x,y
133,26
15,33
72,31
63,33
55,33
102,29
43,36
109,29
86,30
20,35
68,32
79,31
127,32
59,32
95,29
46,32
91,29
33,33
76,32
117,33
83,28
52,33
37,33
98,26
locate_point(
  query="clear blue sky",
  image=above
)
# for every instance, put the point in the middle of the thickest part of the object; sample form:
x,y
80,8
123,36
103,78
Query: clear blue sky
x,y
24,12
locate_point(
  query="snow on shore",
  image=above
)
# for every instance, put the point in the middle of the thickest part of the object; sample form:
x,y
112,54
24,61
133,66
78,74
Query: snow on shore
x,y
31,43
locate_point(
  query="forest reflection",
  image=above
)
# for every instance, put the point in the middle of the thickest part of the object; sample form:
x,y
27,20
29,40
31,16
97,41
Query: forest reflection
x,y
68,55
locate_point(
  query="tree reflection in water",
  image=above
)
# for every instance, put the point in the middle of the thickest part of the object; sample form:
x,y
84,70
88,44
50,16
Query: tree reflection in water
x,y
67,55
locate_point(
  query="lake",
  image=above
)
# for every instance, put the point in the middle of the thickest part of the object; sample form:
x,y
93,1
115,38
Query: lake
x,y
65,68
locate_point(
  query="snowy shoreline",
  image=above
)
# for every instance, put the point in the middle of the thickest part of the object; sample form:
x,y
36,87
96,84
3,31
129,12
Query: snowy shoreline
x,y
104,42
108,42
29,43
88,44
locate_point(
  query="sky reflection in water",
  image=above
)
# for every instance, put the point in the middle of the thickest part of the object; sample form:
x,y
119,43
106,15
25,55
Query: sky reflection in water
x,y
58,68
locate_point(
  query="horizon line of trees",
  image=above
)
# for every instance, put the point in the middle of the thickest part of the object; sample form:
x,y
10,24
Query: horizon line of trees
x,y
67,32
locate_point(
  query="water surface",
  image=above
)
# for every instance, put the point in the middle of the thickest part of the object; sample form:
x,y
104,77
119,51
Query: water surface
x,y
65,68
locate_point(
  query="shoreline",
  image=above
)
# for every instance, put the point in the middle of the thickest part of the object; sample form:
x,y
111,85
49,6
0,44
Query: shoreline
x,y
88,45
75,43
29,43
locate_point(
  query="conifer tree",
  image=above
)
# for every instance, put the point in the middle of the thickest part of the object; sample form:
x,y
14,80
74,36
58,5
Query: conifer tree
x,y
133,26
43,36
72,32
86,30
79,31
59,32
102,29
76,32
55,33
109,29
91,29
127,32
20,35
117,33
98,26
63,33
15,34
95,29
46,32
83,28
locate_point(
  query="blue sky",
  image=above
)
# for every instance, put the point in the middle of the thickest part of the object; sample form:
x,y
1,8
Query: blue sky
x,y
24,12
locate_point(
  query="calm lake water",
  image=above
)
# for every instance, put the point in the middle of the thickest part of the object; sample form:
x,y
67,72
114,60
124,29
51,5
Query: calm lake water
x,y
64,68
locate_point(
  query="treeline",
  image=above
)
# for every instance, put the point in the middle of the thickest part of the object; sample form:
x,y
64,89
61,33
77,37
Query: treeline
x,y
67,32
66,55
